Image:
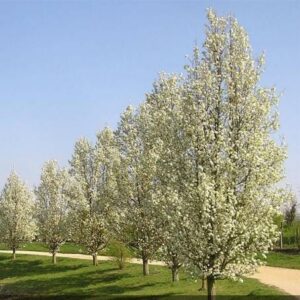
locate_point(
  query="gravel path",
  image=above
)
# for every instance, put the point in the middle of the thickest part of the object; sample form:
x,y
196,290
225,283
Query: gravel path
x,y
287,280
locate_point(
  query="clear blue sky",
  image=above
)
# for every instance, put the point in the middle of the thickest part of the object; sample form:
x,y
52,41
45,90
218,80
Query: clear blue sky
x,y
69,68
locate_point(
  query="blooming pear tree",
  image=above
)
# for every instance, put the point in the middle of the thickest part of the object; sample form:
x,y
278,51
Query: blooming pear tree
x,y
164,105
16,213
137,185
52,207
229,195
171,251
93,167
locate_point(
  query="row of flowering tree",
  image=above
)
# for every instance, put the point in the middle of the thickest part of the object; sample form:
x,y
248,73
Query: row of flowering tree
x,y
190,176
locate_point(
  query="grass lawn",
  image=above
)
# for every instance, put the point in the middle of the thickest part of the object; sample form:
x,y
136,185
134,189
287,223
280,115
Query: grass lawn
x,y
284,260
33,276
65,248
37,246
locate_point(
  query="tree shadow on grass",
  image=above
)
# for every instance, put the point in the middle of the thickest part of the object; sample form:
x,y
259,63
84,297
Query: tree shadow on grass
x,y
3,258
107,283
115,289
21,267
106,297
37,278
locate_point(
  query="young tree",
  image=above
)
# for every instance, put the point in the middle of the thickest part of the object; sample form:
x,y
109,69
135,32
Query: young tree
x,y
229,196
164,104
93,168
16,213
171,253
137,185
290,211
52,210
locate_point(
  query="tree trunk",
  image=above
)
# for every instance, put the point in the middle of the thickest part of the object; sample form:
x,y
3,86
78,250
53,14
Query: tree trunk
x,y
122,262
54,257
211,293
145,265
175,274
95,259
14,253
203,283
281,235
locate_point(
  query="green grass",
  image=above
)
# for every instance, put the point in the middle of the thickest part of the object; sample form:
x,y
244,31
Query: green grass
x,y
283,260
38,246
33,276
28,246
66,248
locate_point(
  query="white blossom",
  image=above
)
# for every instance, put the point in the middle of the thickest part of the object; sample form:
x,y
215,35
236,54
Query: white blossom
x,y
93,167
16,213
52,207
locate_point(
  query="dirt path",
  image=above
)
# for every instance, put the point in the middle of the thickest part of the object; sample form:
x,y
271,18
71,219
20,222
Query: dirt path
x,y
287,280
82,256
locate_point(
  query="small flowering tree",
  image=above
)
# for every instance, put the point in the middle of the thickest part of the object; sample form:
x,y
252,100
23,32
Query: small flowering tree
x,y
163,104
137,185
52,212
93,168
171,252
16,213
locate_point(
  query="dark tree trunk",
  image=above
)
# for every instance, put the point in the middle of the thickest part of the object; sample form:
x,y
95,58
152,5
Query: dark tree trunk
x,y
14,253
54,257
175,274
122,261
281,235
95,259
145,265
211,292
203,283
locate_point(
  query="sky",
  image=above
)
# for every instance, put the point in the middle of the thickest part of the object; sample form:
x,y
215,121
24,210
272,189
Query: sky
x,y
69,68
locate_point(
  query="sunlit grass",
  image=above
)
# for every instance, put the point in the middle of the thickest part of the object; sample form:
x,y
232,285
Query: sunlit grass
x,y
29,275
